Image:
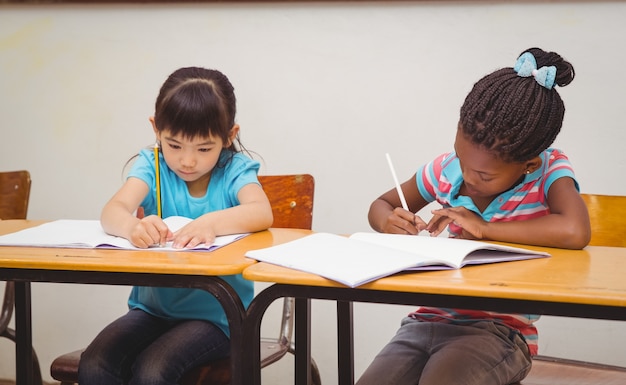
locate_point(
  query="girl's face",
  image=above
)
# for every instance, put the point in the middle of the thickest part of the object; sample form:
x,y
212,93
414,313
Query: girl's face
x,y
192,159
486,176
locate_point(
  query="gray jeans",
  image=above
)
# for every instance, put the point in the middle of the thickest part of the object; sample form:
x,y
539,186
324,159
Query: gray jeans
x,y
433,353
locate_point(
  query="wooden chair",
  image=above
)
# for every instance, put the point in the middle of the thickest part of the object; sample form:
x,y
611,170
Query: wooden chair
x,y
14,197
608,228
15,193
291,197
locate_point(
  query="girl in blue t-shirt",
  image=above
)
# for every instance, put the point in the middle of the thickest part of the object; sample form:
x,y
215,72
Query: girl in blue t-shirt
x,y
203,175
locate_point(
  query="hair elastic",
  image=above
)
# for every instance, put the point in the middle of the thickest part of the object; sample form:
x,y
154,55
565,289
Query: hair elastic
x,y
526,66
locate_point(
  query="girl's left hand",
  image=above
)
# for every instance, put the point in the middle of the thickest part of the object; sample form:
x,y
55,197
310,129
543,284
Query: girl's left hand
x,y
472,224
193,234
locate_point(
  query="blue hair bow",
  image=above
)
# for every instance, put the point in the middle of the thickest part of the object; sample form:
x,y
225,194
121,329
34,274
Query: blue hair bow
x,y
526,66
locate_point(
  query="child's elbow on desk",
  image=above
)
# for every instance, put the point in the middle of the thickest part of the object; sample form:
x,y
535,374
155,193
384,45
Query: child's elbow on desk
x,y
575,237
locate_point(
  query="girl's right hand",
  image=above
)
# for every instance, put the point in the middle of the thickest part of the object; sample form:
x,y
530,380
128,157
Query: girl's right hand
x,y
150,231
401,221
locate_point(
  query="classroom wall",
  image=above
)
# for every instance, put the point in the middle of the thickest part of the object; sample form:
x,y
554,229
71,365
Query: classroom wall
x,y
323,88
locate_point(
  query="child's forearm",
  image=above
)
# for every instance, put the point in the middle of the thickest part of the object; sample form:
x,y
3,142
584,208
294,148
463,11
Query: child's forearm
x,y
378,213
249,217
552,230
116,220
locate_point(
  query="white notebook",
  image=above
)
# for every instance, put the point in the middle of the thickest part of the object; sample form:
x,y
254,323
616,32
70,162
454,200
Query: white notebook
x,y
364,257
88,234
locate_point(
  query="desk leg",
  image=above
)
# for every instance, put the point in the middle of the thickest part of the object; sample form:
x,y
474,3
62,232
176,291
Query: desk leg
x,y
23,336
345,343
303,341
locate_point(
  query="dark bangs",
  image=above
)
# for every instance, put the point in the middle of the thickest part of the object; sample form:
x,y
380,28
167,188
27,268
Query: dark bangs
x,y
193,109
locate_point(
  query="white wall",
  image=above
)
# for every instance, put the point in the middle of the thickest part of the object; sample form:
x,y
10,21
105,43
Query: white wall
x,y
323,88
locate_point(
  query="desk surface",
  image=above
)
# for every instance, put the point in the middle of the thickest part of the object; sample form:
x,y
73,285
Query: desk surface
x,y
223,261
595,275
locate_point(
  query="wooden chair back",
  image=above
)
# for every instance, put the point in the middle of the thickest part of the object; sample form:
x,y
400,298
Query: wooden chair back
x,y
14,194
607,214
291,198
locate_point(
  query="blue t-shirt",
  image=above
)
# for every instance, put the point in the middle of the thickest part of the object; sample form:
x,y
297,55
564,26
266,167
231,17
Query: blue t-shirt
x,y
227,178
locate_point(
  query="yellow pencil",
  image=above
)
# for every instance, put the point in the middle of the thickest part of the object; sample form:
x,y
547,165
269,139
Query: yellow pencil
x,y
158,178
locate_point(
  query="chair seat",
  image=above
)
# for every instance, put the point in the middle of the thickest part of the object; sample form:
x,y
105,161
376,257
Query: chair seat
x,y
557,371
65,367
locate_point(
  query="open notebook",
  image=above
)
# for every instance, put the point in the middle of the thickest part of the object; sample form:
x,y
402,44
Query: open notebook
x,y
88,234
364,257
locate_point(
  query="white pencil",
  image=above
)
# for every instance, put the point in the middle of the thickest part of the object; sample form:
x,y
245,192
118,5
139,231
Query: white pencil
x,y
395,180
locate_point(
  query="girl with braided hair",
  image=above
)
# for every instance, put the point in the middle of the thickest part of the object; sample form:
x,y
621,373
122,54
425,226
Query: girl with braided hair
x,y
502,182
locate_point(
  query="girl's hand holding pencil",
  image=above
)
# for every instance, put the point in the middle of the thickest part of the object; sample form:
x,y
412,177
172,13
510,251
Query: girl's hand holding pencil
x,y
402,221
396,223
150,231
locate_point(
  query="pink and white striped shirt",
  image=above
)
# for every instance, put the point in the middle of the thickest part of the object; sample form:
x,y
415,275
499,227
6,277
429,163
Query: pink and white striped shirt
x,y
441,180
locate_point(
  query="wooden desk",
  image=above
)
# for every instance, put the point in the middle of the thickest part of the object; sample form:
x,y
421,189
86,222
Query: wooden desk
x,y
127,267
586,283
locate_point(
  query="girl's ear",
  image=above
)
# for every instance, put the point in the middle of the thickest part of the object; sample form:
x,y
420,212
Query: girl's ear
x,y
156,132
154,128
533,164
232,135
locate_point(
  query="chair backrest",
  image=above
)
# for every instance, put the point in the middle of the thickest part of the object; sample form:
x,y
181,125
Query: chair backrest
x,y
291,198
607,214
14,194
